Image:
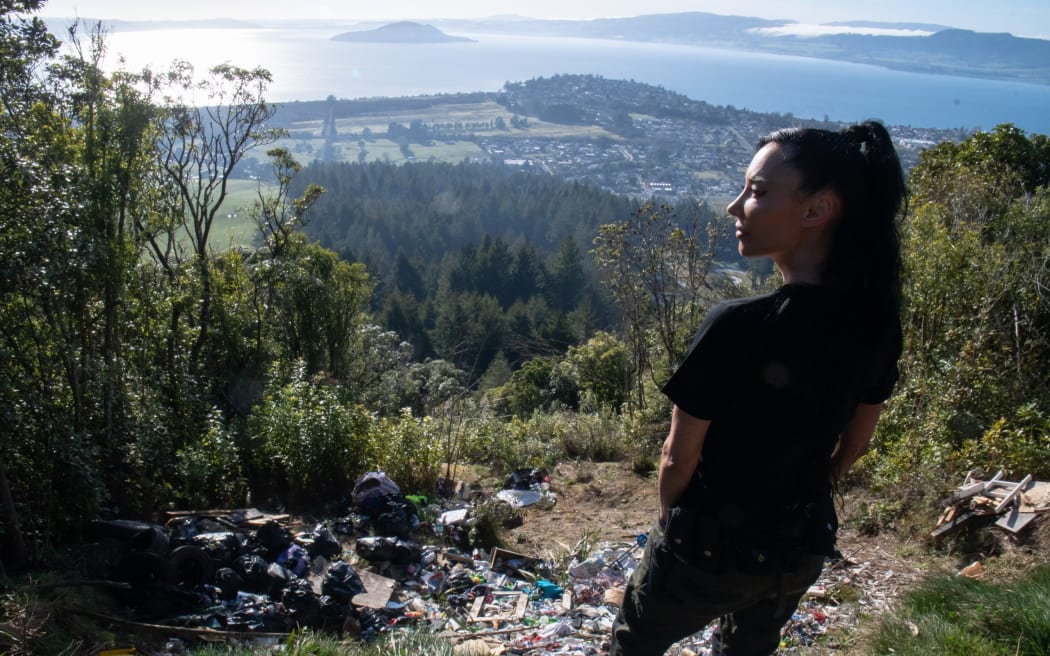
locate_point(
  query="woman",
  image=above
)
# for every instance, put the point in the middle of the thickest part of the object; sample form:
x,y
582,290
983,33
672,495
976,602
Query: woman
x,y
777,398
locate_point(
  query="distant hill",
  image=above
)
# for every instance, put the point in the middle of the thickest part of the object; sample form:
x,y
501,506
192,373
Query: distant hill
x,y
401,32
945,51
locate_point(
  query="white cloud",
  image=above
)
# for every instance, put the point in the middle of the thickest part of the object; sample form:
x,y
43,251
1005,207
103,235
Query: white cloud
x,y
811,30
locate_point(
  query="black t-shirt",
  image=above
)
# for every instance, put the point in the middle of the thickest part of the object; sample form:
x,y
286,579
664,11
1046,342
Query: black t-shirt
x,y
779,376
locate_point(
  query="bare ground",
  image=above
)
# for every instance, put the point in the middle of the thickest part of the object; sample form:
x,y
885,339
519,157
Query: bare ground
x,y
599,502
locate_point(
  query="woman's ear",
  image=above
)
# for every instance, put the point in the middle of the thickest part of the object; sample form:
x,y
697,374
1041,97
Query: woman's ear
x,y
822,207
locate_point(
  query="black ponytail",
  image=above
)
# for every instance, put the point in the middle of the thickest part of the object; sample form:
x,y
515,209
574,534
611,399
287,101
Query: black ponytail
x,y
860,164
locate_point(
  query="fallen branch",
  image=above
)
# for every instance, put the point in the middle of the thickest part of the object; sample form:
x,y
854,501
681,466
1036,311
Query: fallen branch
x,y
484,634
100,583
209,635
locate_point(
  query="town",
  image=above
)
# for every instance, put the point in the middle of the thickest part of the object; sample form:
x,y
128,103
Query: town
x,y
621,136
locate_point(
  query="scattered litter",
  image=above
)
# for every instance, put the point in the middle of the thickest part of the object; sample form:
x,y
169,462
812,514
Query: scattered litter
x,y
972,571
527,487
520,498
381,568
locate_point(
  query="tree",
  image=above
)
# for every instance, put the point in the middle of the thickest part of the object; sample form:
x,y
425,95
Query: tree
x,y
977,316
567,277
275,214
468,331
322,302
207,126
660,269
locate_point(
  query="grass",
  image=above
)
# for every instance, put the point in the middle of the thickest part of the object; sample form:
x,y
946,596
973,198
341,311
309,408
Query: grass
x,y
407,643
232,225
477,118
952,615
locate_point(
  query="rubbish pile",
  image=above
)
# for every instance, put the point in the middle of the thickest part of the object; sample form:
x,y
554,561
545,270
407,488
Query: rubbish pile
x,y
1012,506
393,561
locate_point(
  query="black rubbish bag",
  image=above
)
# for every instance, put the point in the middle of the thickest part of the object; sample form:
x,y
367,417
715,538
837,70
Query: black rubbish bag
x,y
273,538
371,485
301,603
341,582
255,572
393,550
321,542
229,583
192,566
280,577
333,613
222,547
392,523
131,534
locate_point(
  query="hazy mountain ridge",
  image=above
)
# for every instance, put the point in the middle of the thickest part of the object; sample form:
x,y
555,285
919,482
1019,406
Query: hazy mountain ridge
x,y
946,51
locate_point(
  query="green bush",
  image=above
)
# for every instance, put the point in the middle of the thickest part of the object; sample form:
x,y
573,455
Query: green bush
x,y
409,450
209,471
506,444
319,444
596,436
538,385
601,368
646,428
1019,445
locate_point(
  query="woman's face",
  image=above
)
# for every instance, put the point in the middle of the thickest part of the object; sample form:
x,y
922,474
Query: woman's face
x,y
771,209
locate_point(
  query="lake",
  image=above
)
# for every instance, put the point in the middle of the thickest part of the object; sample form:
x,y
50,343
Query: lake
x,y
307,65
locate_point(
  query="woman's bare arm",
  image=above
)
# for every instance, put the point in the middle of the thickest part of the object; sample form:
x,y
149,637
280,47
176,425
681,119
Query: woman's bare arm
x,y
854,441
680,456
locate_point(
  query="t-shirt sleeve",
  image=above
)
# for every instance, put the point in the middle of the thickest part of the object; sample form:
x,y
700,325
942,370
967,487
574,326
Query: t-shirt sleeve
x,y
702,383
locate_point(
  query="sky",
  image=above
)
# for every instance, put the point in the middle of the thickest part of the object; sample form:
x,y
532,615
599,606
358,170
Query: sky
x,y
1019,17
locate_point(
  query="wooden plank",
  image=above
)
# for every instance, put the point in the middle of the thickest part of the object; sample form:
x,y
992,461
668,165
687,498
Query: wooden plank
x,y
511,607
501,556
1008,499
957,522
991,481
966,492
378,590
1016,521
264,520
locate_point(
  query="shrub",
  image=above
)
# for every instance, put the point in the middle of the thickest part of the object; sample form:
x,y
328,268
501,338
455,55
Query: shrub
x,y
1019,445
319,444
536,386
594,436
209,471
505,445
409,451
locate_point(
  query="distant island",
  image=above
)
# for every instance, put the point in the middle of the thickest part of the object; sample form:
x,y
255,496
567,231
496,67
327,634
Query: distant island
x,y
401,32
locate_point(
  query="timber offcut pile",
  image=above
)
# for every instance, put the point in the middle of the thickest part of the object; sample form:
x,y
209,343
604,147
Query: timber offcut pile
x,y
1012,506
